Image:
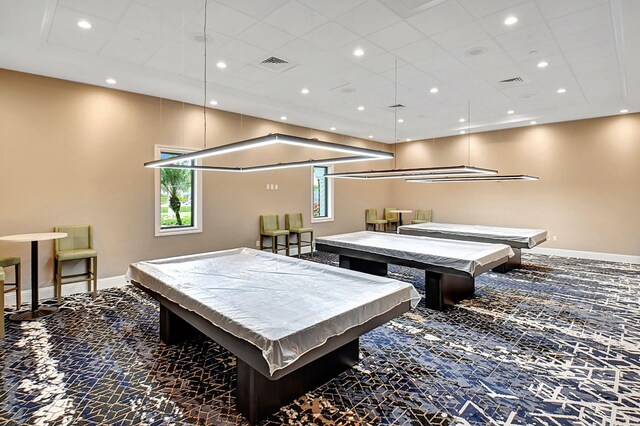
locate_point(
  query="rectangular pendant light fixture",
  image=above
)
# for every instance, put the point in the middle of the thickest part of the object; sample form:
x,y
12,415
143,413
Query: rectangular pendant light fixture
x,y
450,179
414,173
362,154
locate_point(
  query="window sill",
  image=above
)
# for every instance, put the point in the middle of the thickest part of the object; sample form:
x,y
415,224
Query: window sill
x,y
171,232
322,219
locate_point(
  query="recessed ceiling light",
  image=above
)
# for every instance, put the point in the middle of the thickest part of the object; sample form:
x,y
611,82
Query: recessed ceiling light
x,y
462,132
370,136
333,128
510,20
532,122
434,90
462,120
408,139
542,64
358,52
221,64
360,108
305,91
400,120
510,112
283,118
111,81
84,24
562,90
624,111
213,102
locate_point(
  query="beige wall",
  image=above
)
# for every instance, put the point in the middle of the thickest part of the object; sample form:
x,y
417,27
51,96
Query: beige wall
x,y
72,153
589,189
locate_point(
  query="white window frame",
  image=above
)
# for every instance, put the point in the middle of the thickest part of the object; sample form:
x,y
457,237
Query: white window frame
x,y
197,192
329,217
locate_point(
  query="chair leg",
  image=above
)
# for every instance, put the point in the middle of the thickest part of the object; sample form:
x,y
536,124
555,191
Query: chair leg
x,y
274,244
95,277
18,286
87,263
311,242
286,240
58,284
261,243
299,245
2,304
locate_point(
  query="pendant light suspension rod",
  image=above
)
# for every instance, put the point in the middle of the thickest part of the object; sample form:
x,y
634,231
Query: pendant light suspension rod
x,y
453,179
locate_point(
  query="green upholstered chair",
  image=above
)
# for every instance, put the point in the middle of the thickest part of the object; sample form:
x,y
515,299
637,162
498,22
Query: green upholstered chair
x,y
371,218
8,262
422,216
270,228
77,245
295,225
391,218
2,304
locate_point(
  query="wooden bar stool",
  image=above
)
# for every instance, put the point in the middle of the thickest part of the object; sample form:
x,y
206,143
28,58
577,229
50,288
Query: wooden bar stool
x,y
270,228
77,245
294,223
8,262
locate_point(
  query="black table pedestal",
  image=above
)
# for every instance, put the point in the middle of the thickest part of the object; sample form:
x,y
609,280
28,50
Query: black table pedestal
x,y
36,311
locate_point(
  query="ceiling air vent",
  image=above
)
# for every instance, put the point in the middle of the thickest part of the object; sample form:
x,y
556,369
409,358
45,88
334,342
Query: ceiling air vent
x,y
513,82
407,8
396,106
275,64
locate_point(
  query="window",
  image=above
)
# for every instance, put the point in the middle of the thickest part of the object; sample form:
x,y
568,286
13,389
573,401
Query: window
x,y
178,197
322,195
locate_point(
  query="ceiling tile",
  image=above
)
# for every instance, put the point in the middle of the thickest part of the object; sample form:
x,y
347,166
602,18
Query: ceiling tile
x,y
62,37
460,36
527,14
67,19
330,36
175,57
299,51
367,18
395,36
584,39
265,36
524,37
419,50
240,52
480,8
539,50
555,8
599,16
137,39
440,18
125,52
112,10
220,18
295,18
253,74
437,62
370,50
145,19
330,8
257,9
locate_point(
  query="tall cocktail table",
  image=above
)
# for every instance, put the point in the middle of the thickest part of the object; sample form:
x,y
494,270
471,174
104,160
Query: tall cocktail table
x,y
36,310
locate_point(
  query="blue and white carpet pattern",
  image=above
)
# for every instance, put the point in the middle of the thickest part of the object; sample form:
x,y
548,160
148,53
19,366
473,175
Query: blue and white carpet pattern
x,y
556,342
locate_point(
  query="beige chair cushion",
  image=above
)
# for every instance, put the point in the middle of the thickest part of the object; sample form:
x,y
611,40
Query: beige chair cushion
x,y
1,274
275,233
300,230
76,254
9,261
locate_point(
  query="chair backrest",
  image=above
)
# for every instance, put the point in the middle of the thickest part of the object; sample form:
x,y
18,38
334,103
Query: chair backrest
x,y
371,215
78,237
423,214
293,220
269,222
388,215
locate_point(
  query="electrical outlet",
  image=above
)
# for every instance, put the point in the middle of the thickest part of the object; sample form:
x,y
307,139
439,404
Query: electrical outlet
x,y
267,186
257,243
276,185
555,238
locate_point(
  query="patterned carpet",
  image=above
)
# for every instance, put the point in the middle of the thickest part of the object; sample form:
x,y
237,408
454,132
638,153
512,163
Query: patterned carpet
x,y
554,343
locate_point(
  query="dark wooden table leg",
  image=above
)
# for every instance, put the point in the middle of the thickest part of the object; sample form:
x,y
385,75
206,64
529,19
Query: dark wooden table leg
x,y
257,397
362,265
513,262
442,290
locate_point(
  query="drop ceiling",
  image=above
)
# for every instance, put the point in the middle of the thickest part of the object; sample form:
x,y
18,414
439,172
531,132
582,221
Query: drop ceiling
x,y
461,47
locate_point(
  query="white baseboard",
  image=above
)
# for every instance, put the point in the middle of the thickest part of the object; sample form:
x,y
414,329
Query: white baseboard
x,y
592,255
47,292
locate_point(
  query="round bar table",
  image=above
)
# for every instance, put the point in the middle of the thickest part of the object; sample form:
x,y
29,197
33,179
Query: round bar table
x,y
36,311
400,213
